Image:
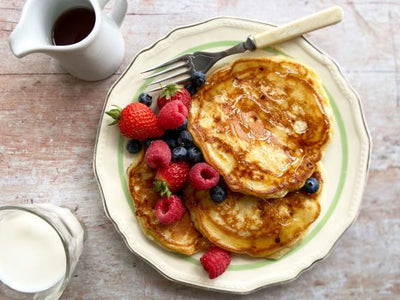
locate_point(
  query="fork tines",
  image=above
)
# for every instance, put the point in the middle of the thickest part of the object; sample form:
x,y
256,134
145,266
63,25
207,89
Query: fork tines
x,y
177,69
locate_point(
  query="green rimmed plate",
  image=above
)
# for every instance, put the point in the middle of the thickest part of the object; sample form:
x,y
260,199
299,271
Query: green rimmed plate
x,y
346,161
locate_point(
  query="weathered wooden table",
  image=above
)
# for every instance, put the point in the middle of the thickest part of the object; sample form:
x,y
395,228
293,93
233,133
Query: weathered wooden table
x,y
48,123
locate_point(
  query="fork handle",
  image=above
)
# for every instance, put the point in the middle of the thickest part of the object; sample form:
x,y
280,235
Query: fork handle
x,y
298,27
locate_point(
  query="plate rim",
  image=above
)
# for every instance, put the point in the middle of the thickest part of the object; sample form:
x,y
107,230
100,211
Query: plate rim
x,y
366,135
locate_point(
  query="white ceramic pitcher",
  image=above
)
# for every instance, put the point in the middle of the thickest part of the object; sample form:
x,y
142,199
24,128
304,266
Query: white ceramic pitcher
x,y
95,57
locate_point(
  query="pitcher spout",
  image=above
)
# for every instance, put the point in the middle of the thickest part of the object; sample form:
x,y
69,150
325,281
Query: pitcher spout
x,y
22,44
33,32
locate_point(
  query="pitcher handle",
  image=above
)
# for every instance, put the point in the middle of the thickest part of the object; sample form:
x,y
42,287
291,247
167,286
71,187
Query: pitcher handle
x,y
118,12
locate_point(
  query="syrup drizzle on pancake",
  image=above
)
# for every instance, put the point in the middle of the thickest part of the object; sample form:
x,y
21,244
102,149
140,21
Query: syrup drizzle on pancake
x,y
263,124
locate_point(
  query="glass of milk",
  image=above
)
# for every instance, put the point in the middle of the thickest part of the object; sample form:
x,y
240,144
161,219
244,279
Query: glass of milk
x,y
40,245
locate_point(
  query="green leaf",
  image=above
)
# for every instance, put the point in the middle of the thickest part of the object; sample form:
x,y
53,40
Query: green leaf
x,y
170,90
114,113
161,187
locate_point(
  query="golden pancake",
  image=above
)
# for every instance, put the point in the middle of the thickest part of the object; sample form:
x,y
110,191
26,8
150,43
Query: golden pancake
x,y
180,236
263,124
249,225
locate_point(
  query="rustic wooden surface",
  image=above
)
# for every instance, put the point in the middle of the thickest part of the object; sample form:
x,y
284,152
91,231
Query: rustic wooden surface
x,y
48,123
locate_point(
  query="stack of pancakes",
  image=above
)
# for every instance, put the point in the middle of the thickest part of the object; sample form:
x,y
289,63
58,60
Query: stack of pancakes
x,y
263,124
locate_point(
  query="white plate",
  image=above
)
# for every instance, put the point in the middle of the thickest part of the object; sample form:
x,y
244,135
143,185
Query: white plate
x,y
346,161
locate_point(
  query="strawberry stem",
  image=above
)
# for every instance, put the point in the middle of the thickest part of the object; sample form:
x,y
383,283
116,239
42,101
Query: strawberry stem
x,y
170,90
114,113
161,187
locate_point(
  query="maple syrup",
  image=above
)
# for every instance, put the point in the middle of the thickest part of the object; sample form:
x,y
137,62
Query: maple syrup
x,y
73,26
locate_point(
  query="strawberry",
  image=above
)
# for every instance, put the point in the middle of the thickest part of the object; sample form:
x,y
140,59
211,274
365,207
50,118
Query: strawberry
x,y
136,121
171,178
173,92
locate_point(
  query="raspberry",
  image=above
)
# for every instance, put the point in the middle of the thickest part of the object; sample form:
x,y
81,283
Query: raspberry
x,y
202,176
169,210
158,154
172,115
215,261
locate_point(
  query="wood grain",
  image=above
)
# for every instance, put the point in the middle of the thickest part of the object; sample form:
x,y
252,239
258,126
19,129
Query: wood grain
x,y
48,124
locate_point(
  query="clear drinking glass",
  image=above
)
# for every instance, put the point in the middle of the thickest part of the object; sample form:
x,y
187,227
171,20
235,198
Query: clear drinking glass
x,y
40,245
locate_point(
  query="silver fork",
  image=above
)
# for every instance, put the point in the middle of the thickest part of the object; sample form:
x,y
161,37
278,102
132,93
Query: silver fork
x,y
203,61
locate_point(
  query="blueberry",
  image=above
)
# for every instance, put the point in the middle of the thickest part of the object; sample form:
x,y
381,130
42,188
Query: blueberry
x,y
191,88
170,134
185,139
194,155
134,146
218,193
311,186
198,78
183,126
179,153
171,143
145,99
